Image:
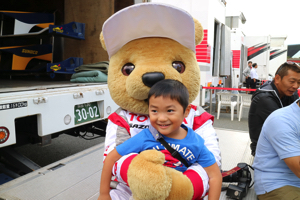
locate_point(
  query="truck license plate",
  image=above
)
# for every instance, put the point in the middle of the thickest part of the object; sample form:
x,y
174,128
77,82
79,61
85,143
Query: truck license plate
x,y
86,112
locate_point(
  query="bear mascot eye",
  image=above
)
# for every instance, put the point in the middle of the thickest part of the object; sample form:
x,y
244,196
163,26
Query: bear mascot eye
x,y
127,69
179,66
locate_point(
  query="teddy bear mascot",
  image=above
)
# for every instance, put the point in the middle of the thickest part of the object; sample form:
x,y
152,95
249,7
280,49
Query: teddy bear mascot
x,y
146,43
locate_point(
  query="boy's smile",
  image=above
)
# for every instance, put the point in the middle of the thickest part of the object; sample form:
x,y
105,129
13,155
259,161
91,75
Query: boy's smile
x,y
166,116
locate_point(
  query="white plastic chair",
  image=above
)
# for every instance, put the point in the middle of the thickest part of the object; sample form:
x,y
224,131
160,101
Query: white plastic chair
x,y
224,99
245,102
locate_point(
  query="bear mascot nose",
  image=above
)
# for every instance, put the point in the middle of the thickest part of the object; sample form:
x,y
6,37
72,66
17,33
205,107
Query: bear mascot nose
x,y
149,79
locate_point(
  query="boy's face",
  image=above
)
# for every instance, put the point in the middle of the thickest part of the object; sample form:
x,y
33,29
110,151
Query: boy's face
x,y
166,116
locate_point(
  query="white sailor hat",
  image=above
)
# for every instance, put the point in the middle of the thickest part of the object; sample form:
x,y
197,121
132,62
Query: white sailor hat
x,y
148,20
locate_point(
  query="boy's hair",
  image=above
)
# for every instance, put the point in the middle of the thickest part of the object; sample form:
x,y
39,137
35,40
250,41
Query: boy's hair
x,y
254,64
171,88
249,62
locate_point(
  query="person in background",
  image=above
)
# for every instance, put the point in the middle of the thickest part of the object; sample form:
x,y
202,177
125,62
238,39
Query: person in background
x,y
254,76
280,92
246,73
277,160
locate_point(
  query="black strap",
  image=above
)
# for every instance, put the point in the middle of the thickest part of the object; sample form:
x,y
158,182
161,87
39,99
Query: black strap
x,y
173,152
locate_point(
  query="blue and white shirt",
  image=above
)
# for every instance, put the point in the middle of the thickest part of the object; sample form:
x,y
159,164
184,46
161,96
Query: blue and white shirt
x,y
191,148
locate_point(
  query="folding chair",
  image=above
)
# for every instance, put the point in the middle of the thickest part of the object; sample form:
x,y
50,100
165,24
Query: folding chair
x,y
245,102
224,99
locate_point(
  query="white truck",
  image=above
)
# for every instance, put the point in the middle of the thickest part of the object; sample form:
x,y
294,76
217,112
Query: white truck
x,y
35,112
269,52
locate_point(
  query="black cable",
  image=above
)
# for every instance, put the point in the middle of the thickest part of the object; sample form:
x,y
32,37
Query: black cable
x,y
87,137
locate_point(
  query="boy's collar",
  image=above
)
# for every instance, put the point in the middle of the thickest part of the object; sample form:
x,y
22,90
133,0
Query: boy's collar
x,y
154,132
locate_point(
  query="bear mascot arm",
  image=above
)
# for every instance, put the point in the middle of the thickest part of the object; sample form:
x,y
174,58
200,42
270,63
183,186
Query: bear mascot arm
x,y
152,49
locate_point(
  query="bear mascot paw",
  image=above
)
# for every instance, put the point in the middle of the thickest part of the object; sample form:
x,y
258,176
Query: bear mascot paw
x,y
150,180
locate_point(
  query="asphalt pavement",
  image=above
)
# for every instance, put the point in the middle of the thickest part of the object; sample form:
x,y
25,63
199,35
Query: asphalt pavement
x,y
61,147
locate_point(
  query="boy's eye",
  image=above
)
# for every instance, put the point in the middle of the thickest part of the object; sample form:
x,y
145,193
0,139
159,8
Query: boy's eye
x,y
170,110
153,111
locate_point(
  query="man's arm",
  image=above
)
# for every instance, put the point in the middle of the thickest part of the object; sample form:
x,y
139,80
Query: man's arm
x,y
294,164
247,70
283,135
261,107
106,175
215,181
244,72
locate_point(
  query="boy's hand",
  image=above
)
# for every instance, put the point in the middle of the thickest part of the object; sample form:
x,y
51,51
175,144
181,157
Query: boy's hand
x,y
104,197
110,160
215,181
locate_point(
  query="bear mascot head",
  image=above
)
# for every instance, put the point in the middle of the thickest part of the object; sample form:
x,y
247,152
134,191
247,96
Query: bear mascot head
x,y
145,47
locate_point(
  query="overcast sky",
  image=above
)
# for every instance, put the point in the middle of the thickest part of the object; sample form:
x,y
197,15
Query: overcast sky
x,y
270,17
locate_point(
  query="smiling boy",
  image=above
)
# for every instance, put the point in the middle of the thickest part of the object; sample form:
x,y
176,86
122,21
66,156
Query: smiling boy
x,y
168,107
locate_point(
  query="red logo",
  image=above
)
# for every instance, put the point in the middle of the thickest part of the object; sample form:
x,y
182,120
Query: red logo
x,y
170,160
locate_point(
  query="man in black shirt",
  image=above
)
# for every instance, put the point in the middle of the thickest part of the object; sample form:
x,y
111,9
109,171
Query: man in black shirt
x,y
280,92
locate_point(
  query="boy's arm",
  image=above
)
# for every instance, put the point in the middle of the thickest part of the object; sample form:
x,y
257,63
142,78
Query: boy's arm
x,y
106,175
215,181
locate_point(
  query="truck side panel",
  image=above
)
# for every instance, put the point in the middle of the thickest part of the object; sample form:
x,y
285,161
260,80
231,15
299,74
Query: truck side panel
x,y
51,107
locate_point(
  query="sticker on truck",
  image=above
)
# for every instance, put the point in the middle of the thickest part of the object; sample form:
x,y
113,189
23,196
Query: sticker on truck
x,y
13,105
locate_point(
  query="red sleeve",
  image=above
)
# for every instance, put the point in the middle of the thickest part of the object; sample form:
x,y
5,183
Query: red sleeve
x,y
200,120
118,120
193,107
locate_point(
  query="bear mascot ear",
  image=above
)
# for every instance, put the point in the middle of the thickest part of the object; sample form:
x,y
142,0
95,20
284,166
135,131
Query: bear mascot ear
x,y
198,34
102,41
